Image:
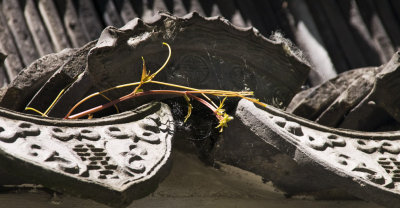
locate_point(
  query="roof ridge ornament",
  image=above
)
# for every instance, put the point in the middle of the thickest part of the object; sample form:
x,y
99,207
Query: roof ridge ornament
x,y
112,161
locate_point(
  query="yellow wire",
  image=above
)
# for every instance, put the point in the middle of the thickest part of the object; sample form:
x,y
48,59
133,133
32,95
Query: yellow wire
x,y
115,106
54,101
165,63
100,93
203,92
32,109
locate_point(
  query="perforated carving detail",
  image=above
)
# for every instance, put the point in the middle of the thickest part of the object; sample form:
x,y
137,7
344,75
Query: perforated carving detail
x,y
114,155
391,166
97,161
370,146
365,158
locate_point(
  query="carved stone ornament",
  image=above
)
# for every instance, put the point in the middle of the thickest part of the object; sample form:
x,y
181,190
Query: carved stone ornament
x,y
364,164
207,53
113,160
117,159
364,99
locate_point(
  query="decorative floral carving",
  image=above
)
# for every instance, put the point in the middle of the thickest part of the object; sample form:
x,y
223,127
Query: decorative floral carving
x,y
113,157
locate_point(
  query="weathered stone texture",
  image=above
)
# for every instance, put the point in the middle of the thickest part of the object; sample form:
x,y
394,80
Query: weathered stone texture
x,y
112,160
13,63
72,24
30,79
272,61
363,99
362,164
16,21
54,25
37,29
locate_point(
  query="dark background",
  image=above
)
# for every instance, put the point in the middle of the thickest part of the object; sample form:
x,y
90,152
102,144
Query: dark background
x,y
336,35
